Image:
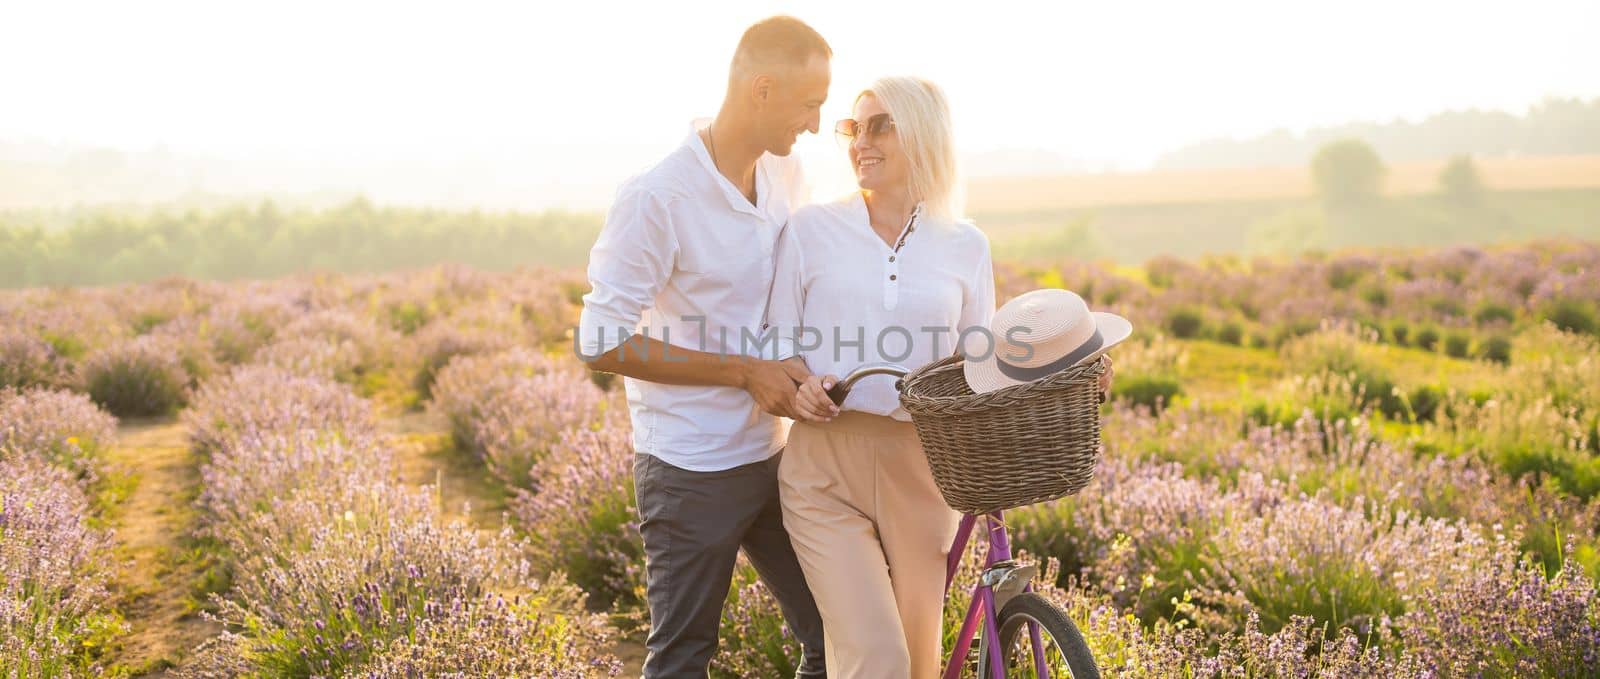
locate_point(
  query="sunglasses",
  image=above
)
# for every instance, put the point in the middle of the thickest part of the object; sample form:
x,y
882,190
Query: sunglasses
x,y
874,127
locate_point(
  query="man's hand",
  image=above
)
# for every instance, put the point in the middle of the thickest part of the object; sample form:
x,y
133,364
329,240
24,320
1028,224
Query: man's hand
x,y
773,385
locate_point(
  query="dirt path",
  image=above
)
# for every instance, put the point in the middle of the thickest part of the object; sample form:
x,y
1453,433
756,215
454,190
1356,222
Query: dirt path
x,y
425,457
153,524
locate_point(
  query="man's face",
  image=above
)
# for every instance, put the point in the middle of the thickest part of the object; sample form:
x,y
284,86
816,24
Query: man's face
x,y
794,105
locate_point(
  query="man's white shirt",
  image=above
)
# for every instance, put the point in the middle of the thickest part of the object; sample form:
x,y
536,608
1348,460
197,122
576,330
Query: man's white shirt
x,y
686,259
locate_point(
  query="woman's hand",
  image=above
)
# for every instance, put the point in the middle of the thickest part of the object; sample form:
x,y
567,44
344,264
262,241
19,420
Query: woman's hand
x,y
811,401
1105,379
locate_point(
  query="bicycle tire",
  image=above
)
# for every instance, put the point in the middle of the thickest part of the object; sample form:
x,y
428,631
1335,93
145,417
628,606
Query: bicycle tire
x,y
1054,624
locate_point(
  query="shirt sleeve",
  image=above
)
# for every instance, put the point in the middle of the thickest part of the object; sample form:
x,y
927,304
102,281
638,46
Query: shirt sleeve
x,y
977,306
629,265
784,314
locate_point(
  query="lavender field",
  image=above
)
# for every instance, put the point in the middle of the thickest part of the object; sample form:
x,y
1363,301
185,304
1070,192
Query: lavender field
x,y
1364,464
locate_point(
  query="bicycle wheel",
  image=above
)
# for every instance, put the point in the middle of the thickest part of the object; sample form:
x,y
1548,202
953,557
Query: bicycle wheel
x,y
1065,652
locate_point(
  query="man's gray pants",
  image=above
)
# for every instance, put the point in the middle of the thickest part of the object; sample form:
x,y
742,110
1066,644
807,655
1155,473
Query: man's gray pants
x,y
694,524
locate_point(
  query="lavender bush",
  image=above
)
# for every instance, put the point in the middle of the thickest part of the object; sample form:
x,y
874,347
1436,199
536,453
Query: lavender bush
x,y
439,342
1347,567
1353,464
259,400
511,408
72,321
477,325
582,520
754,640
312,357
185,336
55,617
1125,647
141,376
27,361
496,637
237,327
55,425
1150,535
1506,617
335,344
335,564
262,468
324,577
1139,520
467,383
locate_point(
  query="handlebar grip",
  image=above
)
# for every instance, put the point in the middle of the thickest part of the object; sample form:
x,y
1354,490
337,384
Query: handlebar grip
x,y
841,389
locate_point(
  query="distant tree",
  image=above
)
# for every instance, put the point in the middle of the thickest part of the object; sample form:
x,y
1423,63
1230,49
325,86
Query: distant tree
x,y
1459,181
1347,173
1552,127
107,246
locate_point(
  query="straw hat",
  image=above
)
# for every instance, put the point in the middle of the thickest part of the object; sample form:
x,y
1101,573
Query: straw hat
x,y
1040,333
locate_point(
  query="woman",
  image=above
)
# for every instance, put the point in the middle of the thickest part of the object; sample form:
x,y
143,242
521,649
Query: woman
x,y
886,274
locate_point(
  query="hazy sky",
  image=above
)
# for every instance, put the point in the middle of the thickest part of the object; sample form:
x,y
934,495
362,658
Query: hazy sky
x,y
587,82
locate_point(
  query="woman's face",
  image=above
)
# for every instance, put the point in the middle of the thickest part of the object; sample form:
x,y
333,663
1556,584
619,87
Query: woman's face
x,y
877,158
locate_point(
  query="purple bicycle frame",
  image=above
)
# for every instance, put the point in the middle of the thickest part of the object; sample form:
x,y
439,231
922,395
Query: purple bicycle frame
x,y
983,602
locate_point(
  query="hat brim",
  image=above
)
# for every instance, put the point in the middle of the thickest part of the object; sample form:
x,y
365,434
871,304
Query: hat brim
x,y
984,375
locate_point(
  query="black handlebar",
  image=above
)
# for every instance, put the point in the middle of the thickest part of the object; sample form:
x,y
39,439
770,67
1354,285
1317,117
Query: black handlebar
x,y
839,391
842,389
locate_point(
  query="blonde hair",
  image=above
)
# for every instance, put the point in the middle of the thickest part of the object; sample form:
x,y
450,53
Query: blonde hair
x,y
922,122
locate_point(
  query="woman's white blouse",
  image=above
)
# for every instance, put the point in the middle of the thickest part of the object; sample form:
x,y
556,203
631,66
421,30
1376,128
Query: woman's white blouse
x,y
843,297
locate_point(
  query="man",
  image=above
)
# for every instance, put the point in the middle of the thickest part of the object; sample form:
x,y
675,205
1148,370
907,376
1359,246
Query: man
x,y
680,277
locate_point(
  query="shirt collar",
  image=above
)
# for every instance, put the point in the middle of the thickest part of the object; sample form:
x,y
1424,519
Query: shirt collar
x,y
736,200
858,204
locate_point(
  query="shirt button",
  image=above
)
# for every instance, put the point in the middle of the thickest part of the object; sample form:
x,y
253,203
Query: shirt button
x,y
891,277
891,258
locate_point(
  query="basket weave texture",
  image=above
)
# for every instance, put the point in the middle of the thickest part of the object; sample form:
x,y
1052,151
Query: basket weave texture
x,y
1010,447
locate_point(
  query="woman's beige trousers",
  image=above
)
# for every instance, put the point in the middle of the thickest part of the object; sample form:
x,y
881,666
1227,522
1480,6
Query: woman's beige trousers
x,y
872,533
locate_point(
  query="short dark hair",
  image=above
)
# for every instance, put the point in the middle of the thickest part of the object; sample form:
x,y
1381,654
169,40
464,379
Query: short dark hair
x,y
777,41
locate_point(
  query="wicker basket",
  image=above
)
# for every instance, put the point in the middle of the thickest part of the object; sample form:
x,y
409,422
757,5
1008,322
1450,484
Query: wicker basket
x,y
1014,446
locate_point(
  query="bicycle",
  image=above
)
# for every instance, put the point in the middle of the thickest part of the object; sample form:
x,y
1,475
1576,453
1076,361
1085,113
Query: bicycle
x,y
1003,600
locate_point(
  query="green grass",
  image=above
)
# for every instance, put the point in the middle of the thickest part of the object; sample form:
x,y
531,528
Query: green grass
x,y
1217,371
107,494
